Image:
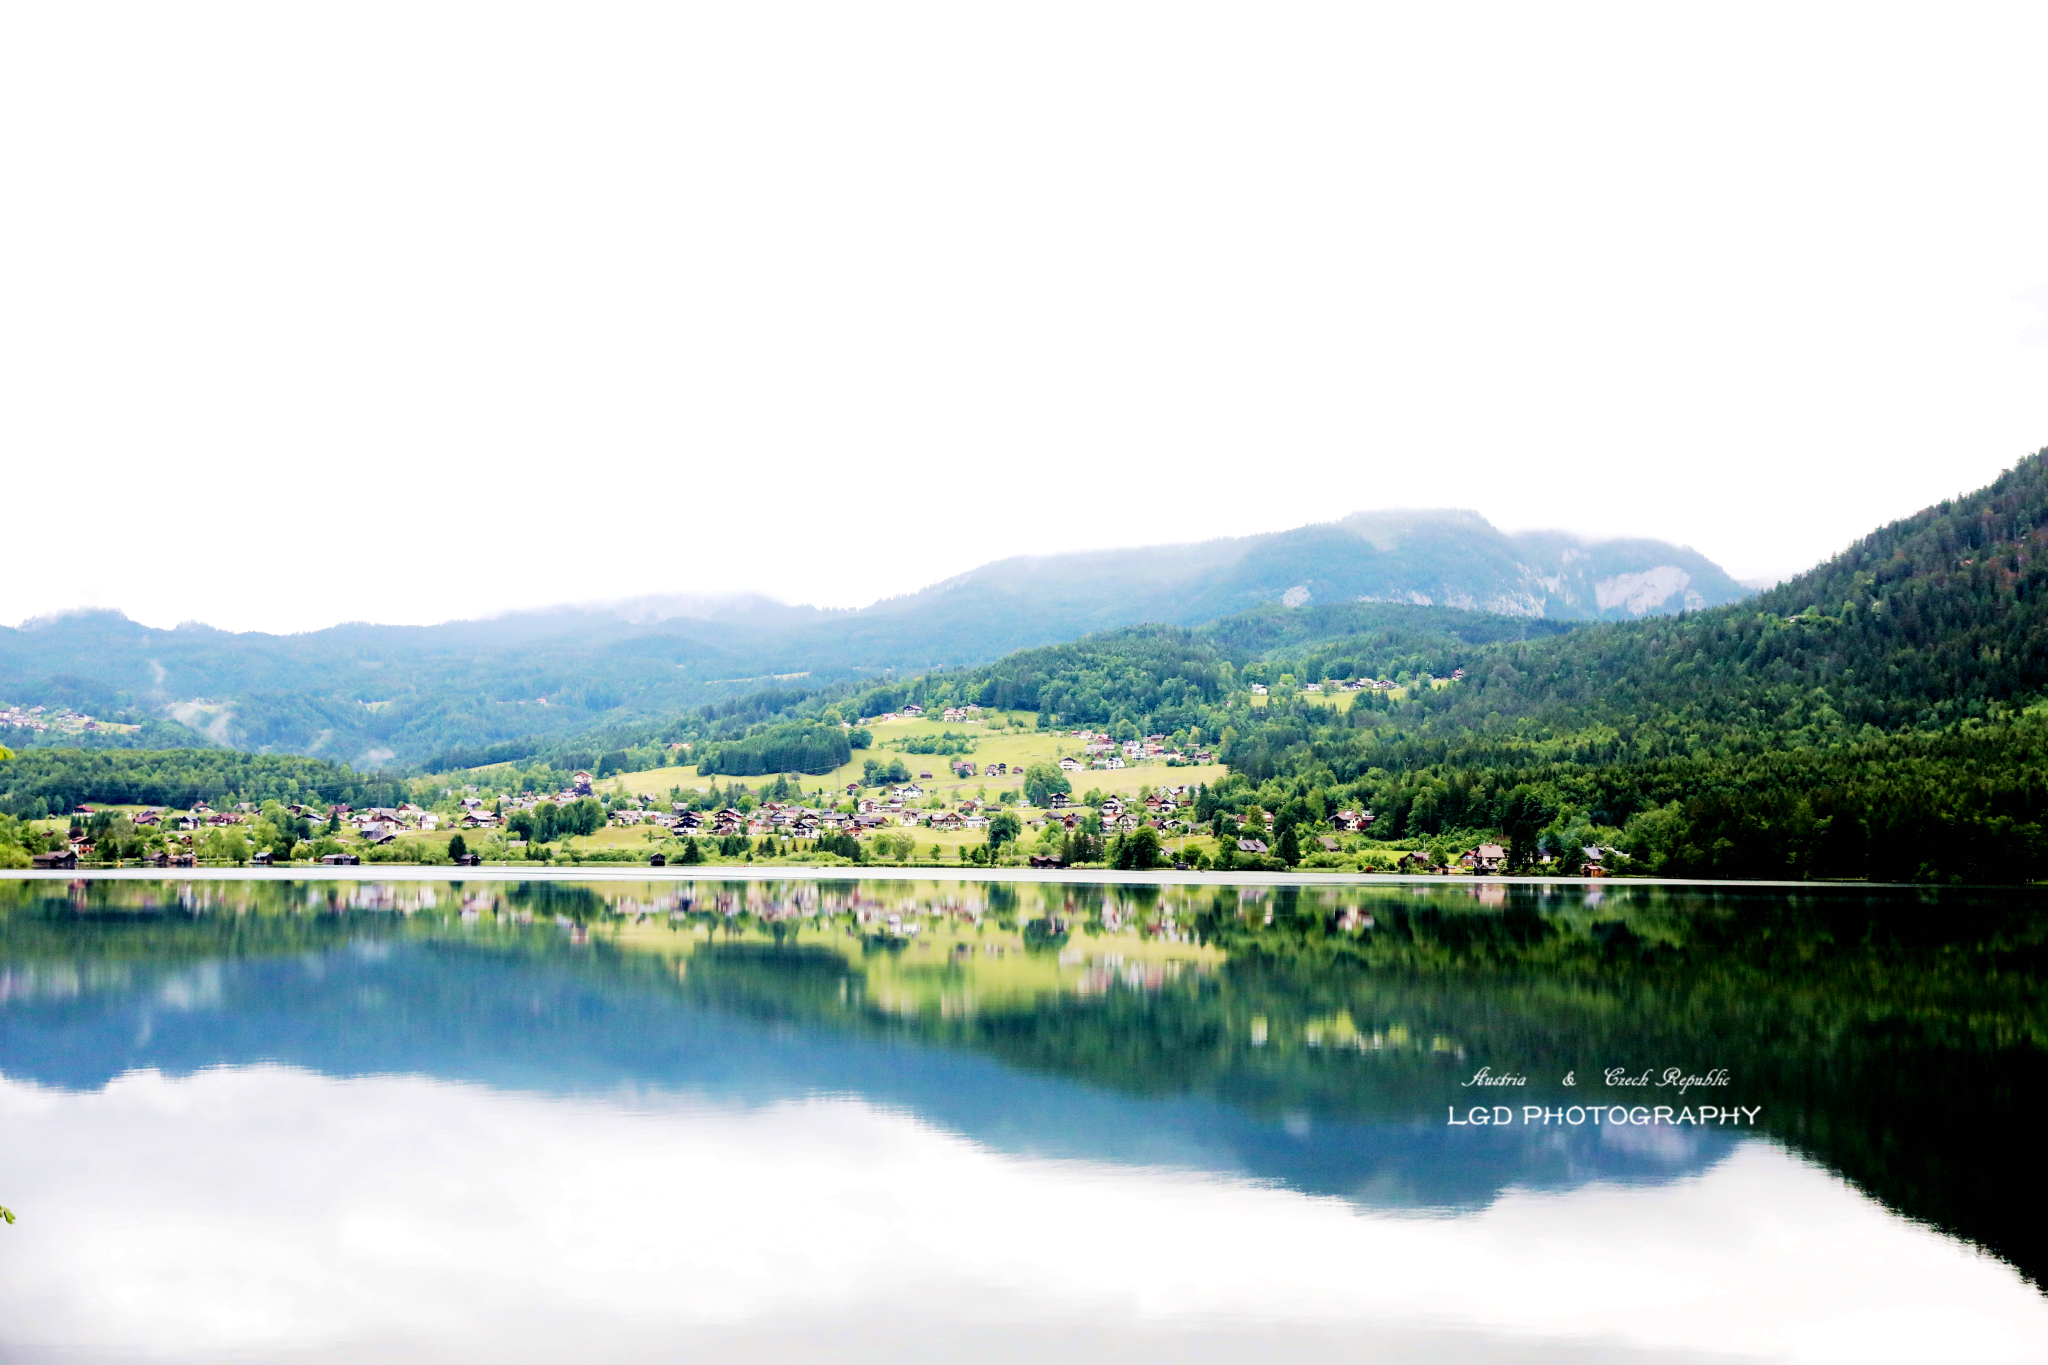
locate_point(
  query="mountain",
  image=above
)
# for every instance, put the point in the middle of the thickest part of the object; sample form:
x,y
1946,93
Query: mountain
x,y
1879,716
1425,558
372,694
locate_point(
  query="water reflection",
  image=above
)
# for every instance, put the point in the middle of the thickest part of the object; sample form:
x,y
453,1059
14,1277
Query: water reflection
x,y
783,1116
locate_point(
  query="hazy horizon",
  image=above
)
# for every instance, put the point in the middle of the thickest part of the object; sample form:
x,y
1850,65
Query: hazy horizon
x,y
621,604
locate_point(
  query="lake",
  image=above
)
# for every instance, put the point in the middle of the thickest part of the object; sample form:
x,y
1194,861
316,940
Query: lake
x,y
336,1120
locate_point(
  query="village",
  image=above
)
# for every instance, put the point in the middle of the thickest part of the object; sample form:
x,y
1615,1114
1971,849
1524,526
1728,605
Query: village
x,y
63,720
986,789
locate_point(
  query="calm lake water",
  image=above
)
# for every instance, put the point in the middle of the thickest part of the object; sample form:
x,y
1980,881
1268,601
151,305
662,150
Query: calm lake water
x,y
545,1121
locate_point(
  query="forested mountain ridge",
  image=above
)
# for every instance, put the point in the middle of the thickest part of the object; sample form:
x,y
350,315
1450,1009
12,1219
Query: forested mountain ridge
x,y
1865,719
375,695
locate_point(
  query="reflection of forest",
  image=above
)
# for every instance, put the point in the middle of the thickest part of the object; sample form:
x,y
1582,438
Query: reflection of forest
x,y
1895,1037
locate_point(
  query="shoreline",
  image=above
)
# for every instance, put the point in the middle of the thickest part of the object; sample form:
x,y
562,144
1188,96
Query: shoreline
x,y
433,872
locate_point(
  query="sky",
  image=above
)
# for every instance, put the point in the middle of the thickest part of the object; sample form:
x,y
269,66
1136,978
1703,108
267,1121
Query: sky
x,y
406,312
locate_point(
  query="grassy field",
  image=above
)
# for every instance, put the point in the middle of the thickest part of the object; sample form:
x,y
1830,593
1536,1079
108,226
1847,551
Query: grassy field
x,y
992,744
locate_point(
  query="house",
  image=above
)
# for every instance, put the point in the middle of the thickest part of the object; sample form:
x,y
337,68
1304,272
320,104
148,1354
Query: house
x,y
1070,764
913,710
1329,842
1414,862
1259,689
1251,845
341,860
1037,861
1484,860
261,858
378,835
1351,821
469,860
66,861
580,784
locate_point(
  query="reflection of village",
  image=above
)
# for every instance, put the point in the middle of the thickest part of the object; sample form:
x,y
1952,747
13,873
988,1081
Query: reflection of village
x,y
915,951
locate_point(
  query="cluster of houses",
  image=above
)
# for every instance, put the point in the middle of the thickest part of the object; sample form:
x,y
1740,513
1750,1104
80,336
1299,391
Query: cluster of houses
x,y
1106,752
1360,684
40,719
1486,860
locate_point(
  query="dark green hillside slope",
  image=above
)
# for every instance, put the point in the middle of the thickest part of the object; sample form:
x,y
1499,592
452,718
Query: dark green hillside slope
x,y
1921,623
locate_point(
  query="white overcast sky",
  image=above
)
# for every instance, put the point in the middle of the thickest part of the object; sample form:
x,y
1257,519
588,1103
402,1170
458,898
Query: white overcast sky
x,y
412,311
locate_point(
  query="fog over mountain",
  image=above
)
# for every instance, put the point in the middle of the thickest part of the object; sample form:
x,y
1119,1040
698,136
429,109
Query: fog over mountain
x,y
372,693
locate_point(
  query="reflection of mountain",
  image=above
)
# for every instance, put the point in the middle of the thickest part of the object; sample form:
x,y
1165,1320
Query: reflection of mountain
x,y
548,1023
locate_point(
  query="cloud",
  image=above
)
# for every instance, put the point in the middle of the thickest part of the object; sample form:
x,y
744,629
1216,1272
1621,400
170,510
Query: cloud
x,y
271,1211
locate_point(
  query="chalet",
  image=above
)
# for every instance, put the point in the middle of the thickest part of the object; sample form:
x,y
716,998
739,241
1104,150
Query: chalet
x,y
580,784
1329,842
478,819
913,710
341,860
1485,860
1414,862
1037,861
1113,762
472,860
1351,821
379,835
65,861
184,860
1251,845
261,858
1259,689
1070,764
